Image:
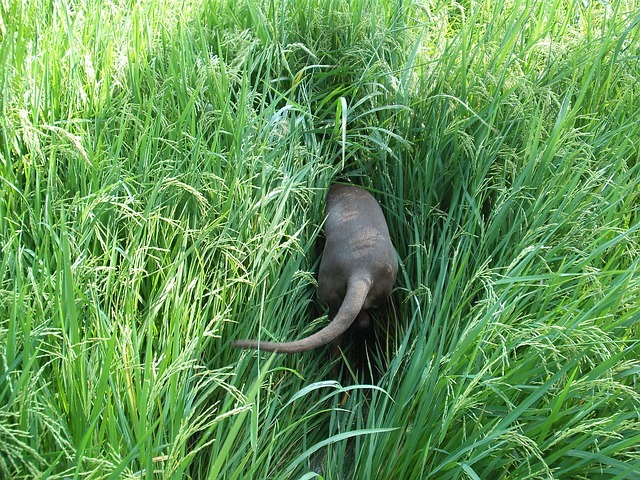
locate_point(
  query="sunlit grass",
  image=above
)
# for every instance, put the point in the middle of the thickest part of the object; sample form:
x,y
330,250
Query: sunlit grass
x,y
163,167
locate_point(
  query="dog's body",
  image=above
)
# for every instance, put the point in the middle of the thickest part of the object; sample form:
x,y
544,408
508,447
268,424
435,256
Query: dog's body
x,y
358,268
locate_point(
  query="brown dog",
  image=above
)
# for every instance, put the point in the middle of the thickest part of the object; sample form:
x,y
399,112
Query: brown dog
x,y
358,268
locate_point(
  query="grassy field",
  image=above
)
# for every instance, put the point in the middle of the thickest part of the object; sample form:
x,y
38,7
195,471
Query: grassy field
x,y
163,166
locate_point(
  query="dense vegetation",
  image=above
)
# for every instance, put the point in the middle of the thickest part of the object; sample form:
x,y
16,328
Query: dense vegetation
x,y
163,167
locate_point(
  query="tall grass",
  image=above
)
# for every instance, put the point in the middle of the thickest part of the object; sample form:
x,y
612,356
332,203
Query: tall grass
x,y
162,175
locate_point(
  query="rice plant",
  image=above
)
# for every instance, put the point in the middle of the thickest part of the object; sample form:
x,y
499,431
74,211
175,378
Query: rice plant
x,y
163,167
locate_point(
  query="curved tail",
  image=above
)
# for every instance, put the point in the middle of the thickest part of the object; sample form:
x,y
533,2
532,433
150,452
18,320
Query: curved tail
x,y
357,290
